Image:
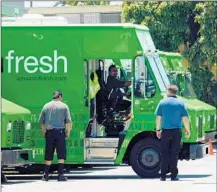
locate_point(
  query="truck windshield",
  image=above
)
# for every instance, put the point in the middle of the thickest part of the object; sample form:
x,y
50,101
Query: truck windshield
x,y
189,90
145,41
159,72
173,79
147,45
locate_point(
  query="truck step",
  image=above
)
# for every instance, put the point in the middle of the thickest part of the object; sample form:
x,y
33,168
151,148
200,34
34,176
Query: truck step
x,y
101,142
99,162
100,154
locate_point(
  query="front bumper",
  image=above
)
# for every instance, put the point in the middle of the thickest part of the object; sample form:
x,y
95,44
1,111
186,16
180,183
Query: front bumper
x,y
211,136
198,151
13,158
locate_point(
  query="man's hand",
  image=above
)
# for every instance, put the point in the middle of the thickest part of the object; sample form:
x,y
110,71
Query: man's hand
x,y
158,133
128,83
68,129
158,125
67,134
187,127
43,131
187,134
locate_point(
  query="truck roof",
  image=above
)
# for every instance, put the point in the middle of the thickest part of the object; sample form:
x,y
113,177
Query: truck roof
x,y
9,107
68,49
120,25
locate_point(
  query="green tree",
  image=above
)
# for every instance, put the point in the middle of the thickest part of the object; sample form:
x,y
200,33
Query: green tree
x,y
76,3
168,21
192,24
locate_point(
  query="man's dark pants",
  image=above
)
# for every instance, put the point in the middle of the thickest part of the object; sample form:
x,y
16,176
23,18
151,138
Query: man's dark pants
x,y
170,147
55,139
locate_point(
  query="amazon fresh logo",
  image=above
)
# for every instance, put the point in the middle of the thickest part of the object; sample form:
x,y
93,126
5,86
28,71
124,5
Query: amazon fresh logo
x,y
32,64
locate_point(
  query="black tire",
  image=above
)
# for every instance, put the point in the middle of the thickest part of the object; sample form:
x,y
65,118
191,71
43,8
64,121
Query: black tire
x,y
145,158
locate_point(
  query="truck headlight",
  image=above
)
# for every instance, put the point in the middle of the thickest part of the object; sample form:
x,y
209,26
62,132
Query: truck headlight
x,y
9,126
28,126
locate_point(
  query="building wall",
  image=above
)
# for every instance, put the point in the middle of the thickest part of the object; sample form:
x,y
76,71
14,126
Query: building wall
x,y
86,18
12,9
83,14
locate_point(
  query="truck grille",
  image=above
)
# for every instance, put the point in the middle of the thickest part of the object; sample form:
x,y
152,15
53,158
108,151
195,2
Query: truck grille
x,y
212,121
18,131
200,126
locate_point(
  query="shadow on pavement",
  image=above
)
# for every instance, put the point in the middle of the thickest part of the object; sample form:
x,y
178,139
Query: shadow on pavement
x,y
75,177
97,177
193,176
71,171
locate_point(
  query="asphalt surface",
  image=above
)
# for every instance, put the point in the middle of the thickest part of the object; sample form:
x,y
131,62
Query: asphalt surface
x,y
195,176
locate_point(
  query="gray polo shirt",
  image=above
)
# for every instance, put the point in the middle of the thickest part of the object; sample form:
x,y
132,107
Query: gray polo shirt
x,y
55,115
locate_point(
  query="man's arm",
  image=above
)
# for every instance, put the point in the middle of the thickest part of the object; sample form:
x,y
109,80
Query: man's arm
x,y
158,113
185,121
158,123
187,127
42,121
119,83
68,122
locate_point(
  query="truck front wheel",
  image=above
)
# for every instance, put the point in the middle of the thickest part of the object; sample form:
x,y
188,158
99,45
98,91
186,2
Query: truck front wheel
x,y
145,158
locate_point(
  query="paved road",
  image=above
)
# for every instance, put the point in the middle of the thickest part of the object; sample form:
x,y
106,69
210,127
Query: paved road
x,y
196,176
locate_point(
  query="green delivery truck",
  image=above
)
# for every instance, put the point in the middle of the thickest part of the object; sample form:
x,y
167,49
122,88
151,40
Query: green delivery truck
x,y
15,135
39,59
179,75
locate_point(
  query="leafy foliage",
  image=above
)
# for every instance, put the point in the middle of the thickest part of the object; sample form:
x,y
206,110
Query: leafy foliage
x,y
192,24
76,3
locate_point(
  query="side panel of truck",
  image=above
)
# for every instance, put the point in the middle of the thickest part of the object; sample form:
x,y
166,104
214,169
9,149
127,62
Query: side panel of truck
x,y
61,53
44,59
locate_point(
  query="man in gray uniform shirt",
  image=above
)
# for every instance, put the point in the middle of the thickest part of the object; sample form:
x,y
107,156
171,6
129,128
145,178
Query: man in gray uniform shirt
x,y
54,117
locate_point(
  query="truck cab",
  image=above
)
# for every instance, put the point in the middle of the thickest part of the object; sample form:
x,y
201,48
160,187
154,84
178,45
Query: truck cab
x,y
15,135
179,74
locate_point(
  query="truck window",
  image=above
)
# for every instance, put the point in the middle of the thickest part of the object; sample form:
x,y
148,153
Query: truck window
x,y
159,72
144,84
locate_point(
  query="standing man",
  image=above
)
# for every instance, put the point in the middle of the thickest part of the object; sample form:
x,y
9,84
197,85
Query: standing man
x,y
171,112
55,116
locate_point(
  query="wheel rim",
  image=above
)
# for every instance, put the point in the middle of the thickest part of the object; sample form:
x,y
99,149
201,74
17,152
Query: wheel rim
x,y
149,158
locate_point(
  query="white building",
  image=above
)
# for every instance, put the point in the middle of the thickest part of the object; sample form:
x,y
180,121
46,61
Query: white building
x,y
82,14
13,9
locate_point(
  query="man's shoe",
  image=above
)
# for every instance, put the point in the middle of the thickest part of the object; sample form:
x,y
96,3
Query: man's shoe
x,y
61,178
174,179
45,177
163,178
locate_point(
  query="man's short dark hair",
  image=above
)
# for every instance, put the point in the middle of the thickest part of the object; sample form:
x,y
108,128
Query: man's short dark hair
x,y
111,66
57,94
173,89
